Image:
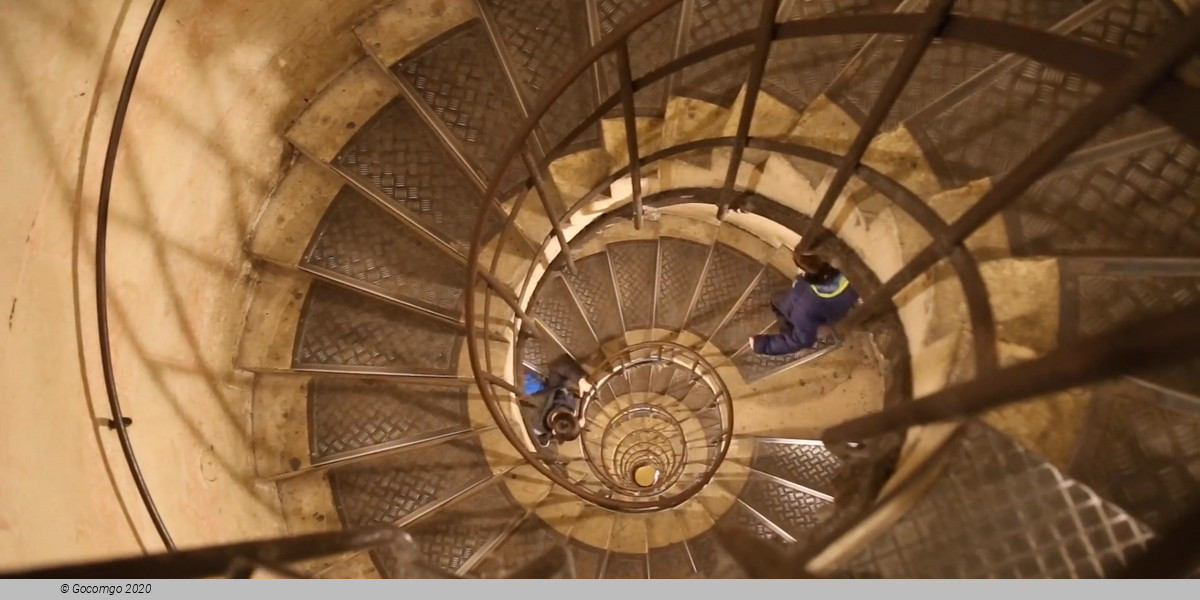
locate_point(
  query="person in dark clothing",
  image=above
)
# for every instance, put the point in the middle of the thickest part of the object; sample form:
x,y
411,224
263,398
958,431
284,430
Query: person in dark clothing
x,y
558,392
820,296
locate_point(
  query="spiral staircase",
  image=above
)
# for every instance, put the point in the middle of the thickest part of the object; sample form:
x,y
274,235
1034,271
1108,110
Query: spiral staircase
x,y
411,269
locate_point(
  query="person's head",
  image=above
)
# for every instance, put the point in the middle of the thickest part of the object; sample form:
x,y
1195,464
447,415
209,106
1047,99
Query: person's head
x,y
563,425
565,372
813,268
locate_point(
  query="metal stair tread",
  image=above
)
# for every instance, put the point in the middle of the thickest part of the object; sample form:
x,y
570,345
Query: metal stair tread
x,y
344,330
347,415
399,158
358,243
460,78
997,510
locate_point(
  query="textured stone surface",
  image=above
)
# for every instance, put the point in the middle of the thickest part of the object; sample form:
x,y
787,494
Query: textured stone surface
x,y
292,212
278,301
404,26
343,106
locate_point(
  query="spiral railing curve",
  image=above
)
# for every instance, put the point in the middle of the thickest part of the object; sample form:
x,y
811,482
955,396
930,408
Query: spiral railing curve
x,y
1148,80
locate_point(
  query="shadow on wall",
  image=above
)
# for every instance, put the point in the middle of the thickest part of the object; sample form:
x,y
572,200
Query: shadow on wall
x,y
202,148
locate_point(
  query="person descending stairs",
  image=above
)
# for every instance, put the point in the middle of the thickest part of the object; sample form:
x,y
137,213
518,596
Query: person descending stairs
x,y
820,297
558,416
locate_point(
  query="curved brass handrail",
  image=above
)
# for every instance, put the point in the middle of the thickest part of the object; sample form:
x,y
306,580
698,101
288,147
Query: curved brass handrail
x,y
1158,90
110,161
701,371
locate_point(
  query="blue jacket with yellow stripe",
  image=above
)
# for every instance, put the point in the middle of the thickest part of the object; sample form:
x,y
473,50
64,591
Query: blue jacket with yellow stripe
x,y
801,310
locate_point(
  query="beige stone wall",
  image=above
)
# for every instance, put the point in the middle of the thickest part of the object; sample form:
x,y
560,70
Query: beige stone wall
x,y
203,146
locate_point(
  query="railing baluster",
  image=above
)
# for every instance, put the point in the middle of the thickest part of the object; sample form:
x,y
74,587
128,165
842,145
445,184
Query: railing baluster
x,y
625,73
935,19
758,67
1006,64
1157,342
539,329
548,192
733,310
1155,64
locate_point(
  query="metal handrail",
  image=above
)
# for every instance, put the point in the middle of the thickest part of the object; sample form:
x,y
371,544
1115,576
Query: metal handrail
x,y
228,560
1139,344
700,369
1166,99
275,556
110,160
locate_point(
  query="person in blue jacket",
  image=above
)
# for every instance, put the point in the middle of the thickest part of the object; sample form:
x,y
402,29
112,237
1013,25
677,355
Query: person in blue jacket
x,y
558,394
820,297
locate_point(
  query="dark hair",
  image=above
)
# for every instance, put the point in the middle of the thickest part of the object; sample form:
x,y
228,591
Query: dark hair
x,y
816,270
564,372
564,425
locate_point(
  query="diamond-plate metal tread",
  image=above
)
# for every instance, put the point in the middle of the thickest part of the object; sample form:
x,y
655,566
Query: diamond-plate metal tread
x,y
1095,303
992,130
543,39
718,80
634,265
1144,204
1129,25
461,79
352,414
756,366
555,308
593,286
729,274
400,156
946,64
339,327
793,511
651,46
1035,14
670,562
402,561
533,538
534,352
355,241
810,466
999,511
739,517
682,266
1106,302
383,492
801,69
1141,454
1003,121
754,313
452,536
625,566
